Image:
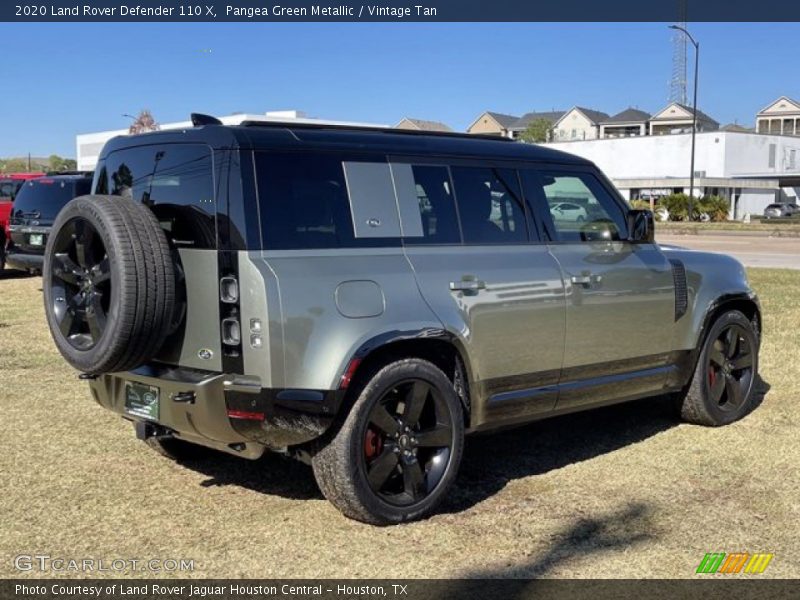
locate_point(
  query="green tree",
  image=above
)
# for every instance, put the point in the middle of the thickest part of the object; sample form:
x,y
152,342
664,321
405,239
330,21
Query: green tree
x,y
14,165
57,163
537,131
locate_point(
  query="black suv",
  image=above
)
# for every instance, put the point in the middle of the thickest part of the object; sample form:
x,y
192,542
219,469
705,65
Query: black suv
x,y
35,208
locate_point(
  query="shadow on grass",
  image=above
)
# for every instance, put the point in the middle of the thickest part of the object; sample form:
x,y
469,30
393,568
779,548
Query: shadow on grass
x,y
619,530
490,461
14,274
271,474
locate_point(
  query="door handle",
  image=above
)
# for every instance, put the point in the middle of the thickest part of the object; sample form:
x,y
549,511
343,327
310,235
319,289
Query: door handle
x,y
586,280
467,285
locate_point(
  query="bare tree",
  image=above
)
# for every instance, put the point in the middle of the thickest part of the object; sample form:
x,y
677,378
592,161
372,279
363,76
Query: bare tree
x,y
143,122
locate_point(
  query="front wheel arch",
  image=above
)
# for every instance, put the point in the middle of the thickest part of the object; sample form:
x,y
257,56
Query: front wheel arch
x,y
744,303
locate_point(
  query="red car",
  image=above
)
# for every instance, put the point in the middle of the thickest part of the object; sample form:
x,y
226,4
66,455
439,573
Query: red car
x,y
10,183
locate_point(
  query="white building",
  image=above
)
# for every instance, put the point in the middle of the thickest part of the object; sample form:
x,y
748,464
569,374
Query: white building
x,y
750,169
89,145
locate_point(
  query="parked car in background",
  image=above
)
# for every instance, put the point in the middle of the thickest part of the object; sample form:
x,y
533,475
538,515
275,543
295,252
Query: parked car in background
x,y
781,209
567,211
10,183
35,208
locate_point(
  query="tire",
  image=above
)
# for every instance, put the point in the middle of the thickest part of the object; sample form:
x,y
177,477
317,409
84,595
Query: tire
x,y
719,394
175,449
426,453
109,284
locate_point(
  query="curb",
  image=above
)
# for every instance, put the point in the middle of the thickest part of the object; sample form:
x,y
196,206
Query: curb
x,y
772,233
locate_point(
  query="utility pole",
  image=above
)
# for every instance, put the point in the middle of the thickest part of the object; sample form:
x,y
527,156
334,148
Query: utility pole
x,y
696,45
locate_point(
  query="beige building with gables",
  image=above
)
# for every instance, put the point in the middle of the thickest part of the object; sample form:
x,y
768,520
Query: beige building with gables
x,y
782,117
677,118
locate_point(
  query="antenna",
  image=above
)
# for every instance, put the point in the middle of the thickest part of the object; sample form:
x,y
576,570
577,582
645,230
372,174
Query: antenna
x,y
677,84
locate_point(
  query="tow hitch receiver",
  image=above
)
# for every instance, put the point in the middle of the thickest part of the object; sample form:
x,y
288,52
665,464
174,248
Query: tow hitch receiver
x,y
145,430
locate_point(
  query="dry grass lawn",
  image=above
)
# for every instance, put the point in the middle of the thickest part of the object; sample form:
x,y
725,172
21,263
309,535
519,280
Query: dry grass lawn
x,y
625,491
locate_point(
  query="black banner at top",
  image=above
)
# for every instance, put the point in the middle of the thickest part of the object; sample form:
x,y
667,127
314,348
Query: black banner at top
x,y
397,10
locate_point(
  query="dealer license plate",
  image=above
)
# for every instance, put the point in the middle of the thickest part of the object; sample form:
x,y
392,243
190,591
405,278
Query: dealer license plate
x,y
141,400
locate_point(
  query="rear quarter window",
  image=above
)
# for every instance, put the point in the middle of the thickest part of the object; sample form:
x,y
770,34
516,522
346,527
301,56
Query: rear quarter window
x,y
304,201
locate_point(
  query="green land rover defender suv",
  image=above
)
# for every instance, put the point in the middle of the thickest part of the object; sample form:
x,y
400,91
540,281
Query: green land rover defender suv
x,y
362,298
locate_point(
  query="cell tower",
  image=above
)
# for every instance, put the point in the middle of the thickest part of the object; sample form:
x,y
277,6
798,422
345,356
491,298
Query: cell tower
x,y
677,84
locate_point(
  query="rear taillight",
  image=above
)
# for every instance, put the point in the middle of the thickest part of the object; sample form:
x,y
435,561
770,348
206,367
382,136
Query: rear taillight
x,y
229,290
231,331
245,415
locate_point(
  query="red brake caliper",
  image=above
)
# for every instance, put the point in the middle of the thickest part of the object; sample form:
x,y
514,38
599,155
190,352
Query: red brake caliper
x,y
712,375
373,444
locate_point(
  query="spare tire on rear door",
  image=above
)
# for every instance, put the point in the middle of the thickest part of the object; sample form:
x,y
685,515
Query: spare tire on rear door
x,y
109,284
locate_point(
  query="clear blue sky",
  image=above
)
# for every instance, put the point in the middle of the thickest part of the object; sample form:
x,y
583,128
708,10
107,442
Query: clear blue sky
x,y
63,79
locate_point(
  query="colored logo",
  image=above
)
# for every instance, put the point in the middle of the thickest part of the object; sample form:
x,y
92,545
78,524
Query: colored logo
x,y
738,562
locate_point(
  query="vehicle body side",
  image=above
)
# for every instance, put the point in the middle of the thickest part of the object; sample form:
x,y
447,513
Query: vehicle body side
x,y
326,317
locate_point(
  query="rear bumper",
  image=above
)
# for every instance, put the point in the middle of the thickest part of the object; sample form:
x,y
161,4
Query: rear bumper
x,y
230,413
24,262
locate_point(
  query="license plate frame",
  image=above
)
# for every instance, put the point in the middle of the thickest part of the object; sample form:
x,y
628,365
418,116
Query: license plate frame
x,y
142,400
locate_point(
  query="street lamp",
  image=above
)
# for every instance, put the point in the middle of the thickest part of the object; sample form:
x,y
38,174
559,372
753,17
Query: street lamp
x,y
694,109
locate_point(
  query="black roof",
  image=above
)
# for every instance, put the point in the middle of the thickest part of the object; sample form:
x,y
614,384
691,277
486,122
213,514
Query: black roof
x,y
280,135
503,119
526,119
629,115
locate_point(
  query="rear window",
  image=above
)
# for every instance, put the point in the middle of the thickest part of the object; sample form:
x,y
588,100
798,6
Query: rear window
x,y
175,180
47,196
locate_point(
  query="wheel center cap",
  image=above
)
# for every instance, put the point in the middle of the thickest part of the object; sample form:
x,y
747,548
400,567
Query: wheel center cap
x,y
404,441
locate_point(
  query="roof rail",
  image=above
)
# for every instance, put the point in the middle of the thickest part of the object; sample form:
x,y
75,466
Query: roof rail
x,y
80,173
368,128
199,119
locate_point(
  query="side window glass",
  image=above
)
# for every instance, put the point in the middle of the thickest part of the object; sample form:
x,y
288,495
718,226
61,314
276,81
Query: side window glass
x,y
176,181
437,209
8,189
372,199
581,209
490,206
303,201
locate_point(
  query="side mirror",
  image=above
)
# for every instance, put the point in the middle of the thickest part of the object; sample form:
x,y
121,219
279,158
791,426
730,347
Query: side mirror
x,y
641,227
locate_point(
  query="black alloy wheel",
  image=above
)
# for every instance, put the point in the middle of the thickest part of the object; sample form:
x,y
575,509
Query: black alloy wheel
x,y
723,386
80,278
398,449
730,368
408,442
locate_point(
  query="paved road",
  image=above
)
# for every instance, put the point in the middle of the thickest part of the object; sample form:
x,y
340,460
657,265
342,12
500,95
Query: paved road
x,y
753,251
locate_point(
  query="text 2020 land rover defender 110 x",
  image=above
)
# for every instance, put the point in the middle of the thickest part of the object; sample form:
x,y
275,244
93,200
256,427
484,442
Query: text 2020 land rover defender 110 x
x,y
362,298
